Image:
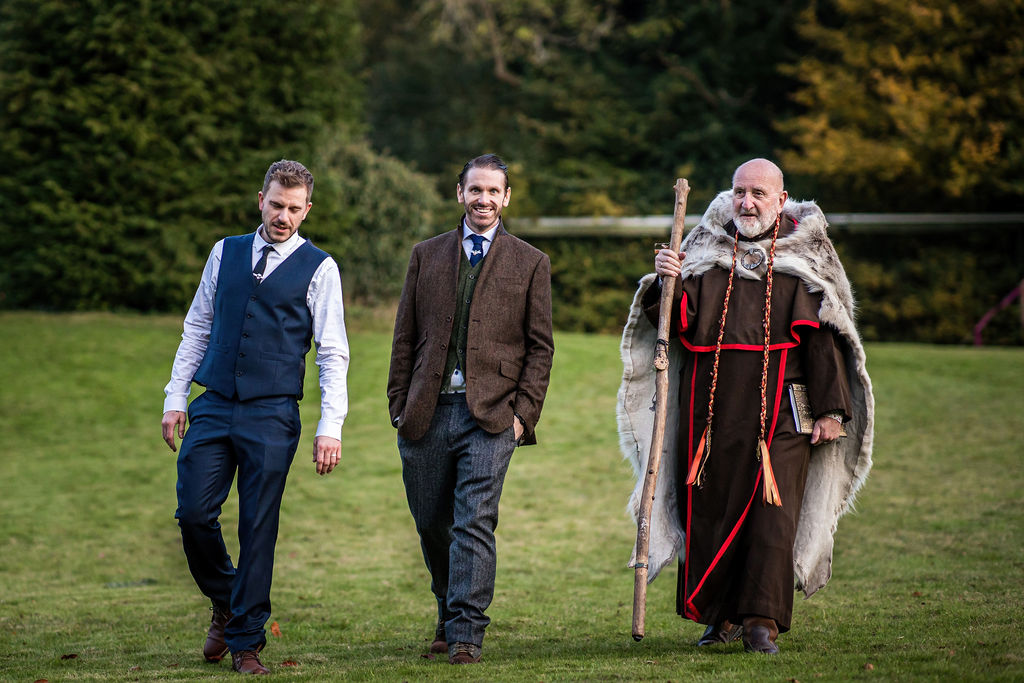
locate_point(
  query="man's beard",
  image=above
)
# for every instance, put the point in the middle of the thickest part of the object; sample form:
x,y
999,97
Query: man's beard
x,y
752,226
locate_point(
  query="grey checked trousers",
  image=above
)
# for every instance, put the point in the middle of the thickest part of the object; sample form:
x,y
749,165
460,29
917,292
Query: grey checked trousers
x,y
453,478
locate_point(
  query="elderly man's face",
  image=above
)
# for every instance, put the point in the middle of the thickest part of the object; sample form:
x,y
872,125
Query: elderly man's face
x,y
757,197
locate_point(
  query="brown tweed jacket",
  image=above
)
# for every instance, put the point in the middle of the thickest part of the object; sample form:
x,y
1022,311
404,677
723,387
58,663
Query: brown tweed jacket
x,y
509,346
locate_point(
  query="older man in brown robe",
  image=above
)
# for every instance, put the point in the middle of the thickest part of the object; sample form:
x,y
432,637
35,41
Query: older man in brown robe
x,y
763,304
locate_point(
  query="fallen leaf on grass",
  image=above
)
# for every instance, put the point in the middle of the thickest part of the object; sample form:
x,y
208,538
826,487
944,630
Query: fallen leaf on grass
x,y
69,656
869,666
427,656
289,662
275,630
42,680
135,668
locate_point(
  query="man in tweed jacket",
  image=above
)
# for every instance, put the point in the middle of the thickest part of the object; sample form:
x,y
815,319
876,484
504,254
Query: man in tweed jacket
x,y
470,363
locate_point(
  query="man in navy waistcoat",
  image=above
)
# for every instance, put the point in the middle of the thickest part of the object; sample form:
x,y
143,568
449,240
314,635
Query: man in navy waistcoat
x,y
261,299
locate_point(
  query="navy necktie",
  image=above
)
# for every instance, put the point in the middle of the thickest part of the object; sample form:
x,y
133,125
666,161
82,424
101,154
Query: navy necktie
x,y
478,249
261,265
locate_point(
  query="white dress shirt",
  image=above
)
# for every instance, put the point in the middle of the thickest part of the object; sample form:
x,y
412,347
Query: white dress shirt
x,y
324,300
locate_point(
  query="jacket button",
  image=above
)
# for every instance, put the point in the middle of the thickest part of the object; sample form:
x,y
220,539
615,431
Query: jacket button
x,y
245,335
448,319
248,315
443,347
467,301
252,298
238,374
437,374
241,354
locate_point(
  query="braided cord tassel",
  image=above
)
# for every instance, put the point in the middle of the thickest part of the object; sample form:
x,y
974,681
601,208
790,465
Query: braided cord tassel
x,y
771,489
696,474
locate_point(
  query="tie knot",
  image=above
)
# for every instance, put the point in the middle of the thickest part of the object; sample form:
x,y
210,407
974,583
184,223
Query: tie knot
x,y
267,249
478,240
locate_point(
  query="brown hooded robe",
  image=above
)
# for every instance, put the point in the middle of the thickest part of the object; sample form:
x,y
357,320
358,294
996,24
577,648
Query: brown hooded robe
x,y
737,553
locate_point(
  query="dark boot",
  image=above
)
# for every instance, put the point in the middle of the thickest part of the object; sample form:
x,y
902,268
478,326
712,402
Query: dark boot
x,y
440,644
464,653
718,634
759,634
248,662
215,648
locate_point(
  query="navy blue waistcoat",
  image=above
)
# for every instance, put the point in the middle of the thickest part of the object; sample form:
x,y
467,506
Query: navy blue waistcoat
x,y
260,335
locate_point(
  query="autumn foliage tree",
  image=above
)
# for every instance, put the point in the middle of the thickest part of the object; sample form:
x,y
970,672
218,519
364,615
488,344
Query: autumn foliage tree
x,y
910,104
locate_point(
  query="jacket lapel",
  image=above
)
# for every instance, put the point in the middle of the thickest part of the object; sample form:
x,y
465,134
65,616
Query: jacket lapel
x,y
447,270
495,254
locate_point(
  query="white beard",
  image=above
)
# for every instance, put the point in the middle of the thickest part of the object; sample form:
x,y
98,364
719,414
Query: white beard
x,y
752,226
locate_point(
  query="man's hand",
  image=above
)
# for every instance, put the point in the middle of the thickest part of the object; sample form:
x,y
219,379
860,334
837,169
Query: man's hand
x,y
826,430
517,428
326,454
172,419
667,263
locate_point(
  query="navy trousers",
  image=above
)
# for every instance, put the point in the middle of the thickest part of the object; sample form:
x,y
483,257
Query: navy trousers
x,y
453,478
257,439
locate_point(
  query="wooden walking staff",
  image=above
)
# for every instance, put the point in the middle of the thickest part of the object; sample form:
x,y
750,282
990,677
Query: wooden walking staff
x,y
643,530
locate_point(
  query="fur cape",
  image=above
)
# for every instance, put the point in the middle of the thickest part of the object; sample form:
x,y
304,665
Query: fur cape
x,y
836,471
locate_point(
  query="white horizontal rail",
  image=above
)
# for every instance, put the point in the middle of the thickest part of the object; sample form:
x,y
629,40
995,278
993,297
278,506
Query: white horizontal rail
x,y
660,226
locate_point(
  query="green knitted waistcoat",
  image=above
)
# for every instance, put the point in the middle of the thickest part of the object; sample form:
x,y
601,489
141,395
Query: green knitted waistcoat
x,y
468,276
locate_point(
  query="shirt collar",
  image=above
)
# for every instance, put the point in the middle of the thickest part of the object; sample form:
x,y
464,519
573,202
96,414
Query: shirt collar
x,y
282,248
488,236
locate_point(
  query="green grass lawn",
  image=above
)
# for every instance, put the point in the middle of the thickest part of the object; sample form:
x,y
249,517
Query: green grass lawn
x,y
927,582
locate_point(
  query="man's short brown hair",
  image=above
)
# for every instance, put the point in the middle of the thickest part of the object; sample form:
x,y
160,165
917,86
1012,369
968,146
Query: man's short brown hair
x,y
488,161
289,174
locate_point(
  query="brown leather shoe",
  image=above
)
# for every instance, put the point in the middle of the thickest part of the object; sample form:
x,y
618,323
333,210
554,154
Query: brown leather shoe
x,y
464,653
440,644
248,662
215,648
718,634
759,635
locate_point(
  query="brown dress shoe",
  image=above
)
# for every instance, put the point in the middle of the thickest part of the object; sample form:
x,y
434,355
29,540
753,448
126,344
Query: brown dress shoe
x,y
464,653
440,644
759,635
215,648
248,662
718,634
